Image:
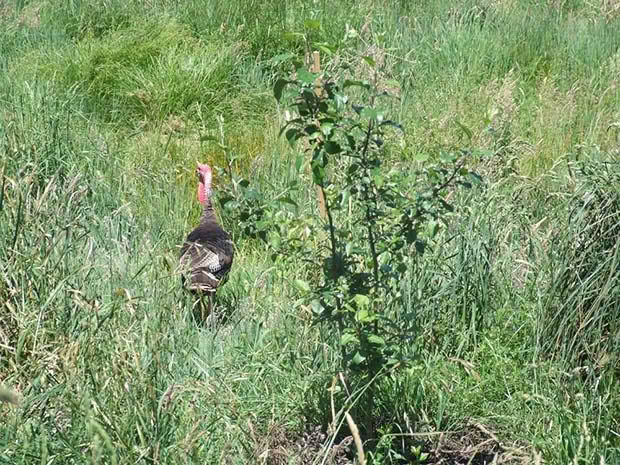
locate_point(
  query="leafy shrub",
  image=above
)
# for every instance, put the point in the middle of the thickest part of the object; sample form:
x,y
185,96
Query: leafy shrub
x,y
377,215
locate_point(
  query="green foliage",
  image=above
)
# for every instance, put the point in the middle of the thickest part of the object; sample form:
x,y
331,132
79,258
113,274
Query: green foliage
x,y
378,220
376,223
386,452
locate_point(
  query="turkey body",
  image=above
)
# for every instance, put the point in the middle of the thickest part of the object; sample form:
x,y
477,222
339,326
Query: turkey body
x,y
206,257
207,253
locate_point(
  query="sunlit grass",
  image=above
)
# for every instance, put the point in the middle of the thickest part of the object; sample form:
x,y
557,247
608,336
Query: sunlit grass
x,y
106,106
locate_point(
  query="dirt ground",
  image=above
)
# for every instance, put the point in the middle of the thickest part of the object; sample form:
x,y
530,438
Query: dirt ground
x,y
474,444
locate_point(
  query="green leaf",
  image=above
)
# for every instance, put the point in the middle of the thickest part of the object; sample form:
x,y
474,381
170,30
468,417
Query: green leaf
x,y
278,87
475,177
302,285
275,240
351,142
394,124
225,199
293,36
328,49
378,180
363,316
311,129
348,338
421,156
288,200
358,359
420,246
361,300
318,174
232,205
341,100
317,308
332,147
446,205
292,134
326,127
312,24
306,76
447,157
355,83
345,195
370,60
376,340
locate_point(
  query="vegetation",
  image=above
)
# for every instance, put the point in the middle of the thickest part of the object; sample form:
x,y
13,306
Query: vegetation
x,y
419,322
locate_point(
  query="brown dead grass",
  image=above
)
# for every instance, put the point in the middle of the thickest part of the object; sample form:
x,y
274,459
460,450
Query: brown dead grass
x,y
476,444
473,444
280,447
30,15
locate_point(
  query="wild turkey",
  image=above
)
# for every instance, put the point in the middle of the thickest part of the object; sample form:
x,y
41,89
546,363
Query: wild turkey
x,y
207,254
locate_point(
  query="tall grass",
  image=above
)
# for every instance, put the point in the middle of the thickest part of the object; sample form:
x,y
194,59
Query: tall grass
x,y
96,337
579,311
103,109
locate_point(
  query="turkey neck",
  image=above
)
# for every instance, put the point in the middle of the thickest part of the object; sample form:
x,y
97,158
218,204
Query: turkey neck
x,y
204,197
208,214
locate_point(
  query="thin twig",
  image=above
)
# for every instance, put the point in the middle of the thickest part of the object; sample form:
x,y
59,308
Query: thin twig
x,y
369,222
458,167
356,438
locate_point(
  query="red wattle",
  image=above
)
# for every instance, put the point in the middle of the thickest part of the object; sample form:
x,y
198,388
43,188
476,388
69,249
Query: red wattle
x,y
202,198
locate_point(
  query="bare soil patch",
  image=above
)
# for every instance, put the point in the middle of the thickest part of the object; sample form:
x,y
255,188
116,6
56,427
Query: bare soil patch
x,y
474,444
